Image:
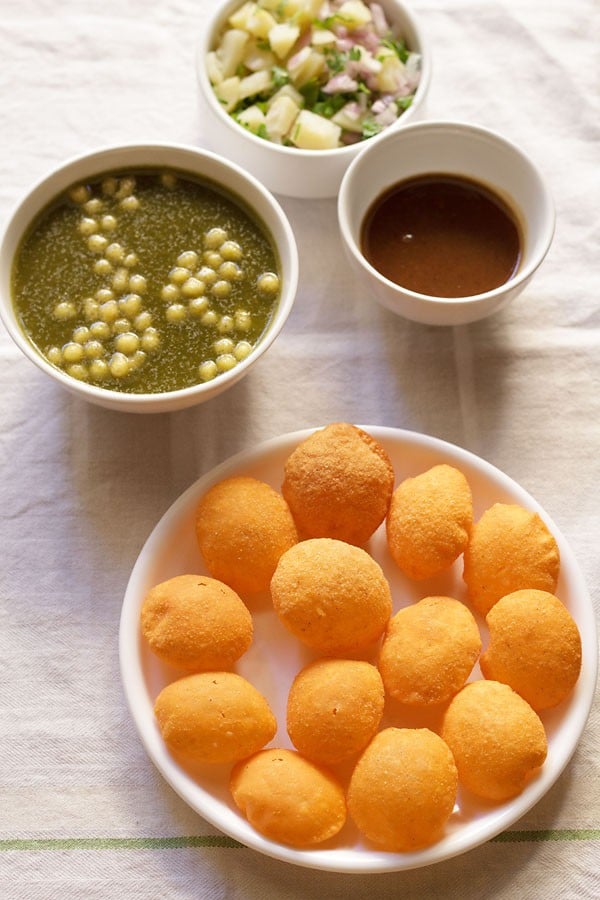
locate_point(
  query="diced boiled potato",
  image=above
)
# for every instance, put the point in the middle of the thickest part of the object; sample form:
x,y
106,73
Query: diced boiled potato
x,y
228,92
347,120
303,11
313,132
269,4
260,23
239,19
230,51
256,59
322,37
353,14
288,90
391,76
257,83
252,118
213,68
304,65
368,62
282,38
280,116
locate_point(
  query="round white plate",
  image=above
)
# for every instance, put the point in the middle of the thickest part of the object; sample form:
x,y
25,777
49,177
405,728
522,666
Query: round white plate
x,y
275,657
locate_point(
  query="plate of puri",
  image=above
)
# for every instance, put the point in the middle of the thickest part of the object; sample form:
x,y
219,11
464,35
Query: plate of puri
x,y
358,649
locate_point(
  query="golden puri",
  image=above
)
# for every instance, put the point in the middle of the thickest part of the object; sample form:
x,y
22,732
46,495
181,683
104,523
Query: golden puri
x,y
403,789
287,798
331,595
429,651
243,526
429,521
195,622
214,717
496,738
510,549
534,646
334,708
338,484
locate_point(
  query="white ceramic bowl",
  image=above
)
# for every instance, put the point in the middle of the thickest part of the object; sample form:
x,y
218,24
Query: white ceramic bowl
x,y
190,160
289,170
453,148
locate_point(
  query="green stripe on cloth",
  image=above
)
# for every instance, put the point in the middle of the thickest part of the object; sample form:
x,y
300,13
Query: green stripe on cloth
x,y
220,841
549,834
147,843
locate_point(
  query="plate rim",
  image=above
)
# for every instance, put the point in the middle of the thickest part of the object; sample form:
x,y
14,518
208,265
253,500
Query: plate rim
x,y
349,860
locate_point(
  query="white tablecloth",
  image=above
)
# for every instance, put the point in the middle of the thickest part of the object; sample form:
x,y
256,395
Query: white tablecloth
x,y
83,812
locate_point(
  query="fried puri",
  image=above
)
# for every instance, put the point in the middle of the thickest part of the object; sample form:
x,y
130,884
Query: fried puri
x,y
287,798
429,521
334,709
428,651
243,526
510,549
534,646
338,484
214,717
195,622
496,738
331,595
403,789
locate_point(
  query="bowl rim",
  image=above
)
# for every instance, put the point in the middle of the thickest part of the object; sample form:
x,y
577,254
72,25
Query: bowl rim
x,y
204,44
462,129
95,158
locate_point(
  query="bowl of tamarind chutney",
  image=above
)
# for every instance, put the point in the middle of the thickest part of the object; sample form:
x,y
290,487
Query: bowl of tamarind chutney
x,y
447,221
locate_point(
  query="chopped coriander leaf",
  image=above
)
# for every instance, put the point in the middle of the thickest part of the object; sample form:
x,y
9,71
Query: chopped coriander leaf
x,y
262,44
328,106
355,54
325,24
403,103
262,131
310,91
336,61
398,46
251,101
370,128
280,76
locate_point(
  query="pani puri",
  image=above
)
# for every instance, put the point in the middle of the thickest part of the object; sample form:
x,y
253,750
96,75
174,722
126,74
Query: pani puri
x,y
287,798
214,717
403,789
429,521
331,595
338,484
428,651
243,526
497,740
334,708
510,549
195,622
534,646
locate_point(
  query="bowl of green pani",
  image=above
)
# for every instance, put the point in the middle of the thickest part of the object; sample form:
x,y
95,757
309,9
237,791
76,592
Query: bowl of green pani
x,y
446,222
147,277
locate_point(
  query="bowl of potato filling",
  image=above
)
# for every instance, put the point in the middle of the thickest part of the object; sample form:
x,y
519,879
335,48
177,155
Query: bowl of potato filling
x,y
147,278
292,90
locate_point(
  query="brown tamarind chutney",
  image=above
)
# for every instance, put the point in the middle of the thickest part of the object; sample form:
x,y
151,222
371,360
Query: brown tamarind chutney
x,y
442,235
